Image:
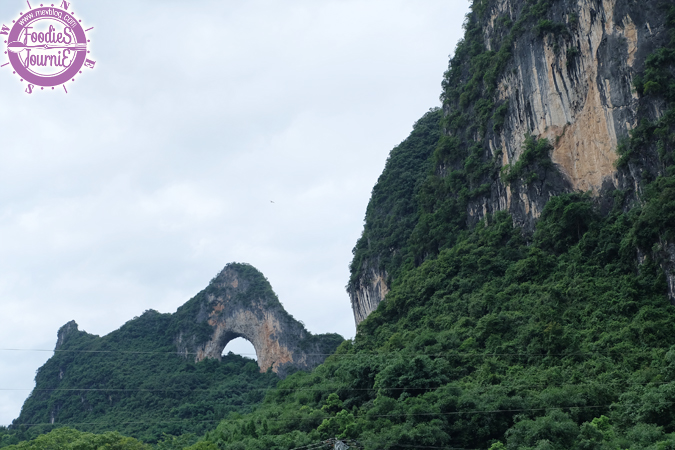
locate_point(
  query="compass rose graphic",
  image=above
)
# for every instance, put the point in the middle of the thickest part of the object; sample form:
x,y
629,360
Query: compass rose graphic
x,y
46,47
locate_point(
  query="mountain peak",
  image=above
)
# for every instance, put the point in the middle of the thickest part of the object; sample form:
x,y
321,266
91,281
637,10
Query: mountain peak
x,y
64,332
240,302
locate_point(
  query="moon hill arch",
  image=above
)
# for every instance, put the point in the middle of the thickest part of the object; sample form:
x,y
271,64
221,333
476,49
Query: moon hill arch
x,y
240,302
168,369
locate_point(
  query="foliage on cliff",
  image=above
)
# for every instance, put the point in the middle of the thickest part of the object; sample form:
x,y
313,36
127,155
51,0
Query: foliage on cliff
x,y
563,343
419,204
564,339
392,211
491,337
134,382
656,83
497,340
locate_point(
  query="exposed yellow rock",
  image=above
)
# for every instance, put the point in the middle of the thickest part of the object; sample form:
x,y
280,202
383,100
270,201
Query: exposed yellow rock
x,y
240,303
573,107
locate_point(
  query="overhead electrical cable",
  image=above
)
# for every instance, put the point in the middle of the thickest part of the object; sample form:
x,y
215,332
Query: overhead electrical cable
x,y
617,352
338,388
316,418
341,388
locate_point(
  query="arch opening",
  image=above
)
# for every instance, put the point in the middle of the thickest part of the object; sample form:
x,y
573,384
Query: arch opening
x,y
242,347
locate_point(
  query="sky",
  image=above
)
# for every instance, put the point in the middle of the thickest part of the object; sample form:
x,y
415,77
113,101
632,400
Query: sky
x,y
208,132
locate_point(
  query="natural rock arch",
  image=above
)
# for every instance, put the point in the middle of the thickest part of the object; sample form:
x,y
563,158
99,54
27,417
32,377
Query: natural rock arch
x,y
239,302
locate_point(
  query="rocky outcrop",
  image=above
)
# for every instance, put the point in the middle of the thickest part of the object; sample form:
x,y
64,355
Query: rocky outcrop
x,y
64,333
664,253
367,293
573,85
239,302
169,366
570,83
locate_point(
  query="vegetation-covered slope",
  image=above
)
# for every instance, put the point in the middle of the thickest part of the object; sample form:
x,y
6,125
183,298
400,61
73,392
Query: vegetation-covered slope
x,y
134,382
393,210
493,336
564,343
165,373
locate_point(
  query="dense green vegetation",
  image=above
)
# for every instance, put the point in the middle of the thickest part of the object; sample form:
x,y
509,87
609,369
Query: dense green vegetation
x,y
66,438
535,152
546,345
142,381
563,343
132,381
491,337
558,340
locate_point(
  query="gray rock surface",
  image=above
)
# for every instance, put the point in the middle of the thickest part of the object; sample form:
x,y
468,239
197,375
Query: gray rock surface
x,y
239,302
575,90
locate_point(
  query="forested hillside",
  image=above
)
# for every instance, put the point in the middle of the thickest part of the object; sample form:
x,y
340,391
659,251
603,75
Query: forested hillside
x,y
134,382
519,328
166,373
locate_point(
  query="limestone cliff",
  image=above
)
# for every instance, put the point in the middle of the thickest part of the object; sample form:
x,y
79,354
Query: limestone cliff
x,y
64,333
239,302
560,70
368,291
572,83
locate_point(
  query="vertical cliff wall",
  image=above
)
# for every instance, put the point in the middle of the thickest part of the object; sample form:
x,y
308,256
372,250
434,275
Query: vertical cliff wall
x,y
570,80
368,291
536,100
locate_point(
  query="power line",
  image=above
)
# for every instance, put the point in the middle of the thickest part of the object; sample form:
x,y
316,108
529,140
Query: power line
x,y
359,354
327,389
339,388
323,417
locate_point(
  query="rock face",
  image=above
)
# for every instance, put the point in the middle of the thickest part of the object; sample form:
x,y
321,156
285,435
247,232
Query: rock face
x,y
64,332
569,79
369,291
240,302
574,88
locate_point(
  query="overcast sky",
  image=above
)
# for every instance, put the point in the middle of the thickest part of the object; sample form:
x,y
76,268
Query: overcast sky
x,y
160,166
